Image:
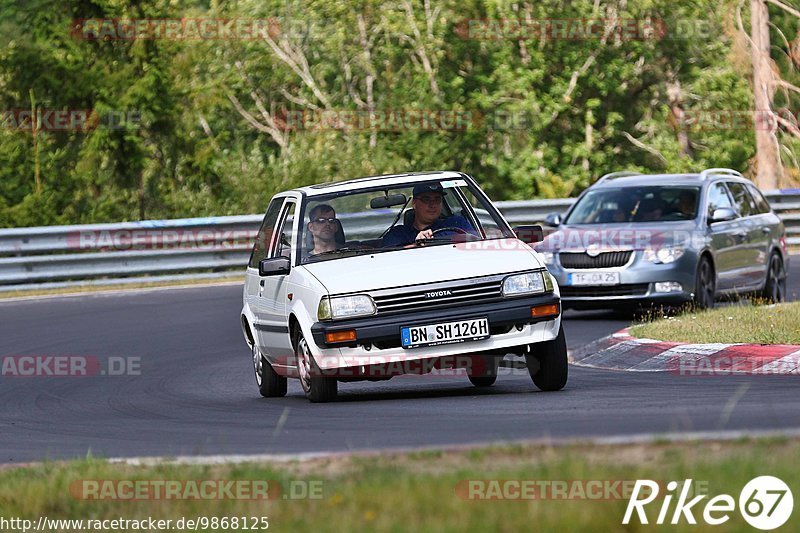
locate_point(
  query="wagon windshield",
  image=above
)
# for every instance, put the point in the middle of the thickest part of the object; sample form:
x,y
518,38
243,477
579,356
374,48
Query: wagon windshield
x,y
635,204
375,220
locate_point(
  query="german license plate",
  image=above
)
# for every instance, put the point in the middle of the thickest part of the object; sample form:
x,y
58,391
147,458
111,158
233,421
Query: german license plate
x,y
593,278
445,333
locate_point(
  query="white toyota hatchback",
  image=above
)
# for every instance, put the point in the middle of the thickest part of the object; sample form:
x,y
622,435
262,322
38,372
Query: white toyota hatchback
x,y
388,275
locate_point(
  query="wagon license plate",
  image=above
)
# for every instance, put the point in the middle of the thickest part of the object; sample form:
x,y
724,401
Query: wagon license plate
x,y
445,333
593,278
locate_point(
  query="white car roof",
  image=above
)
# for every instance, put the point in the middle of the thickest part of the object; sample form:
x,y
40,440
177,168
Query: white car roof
x,y
378,181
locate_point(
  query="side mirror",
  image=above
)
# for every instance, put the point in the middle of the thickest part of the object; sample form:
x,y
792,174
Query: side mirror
x,y
723,214
529,234
274,266
553,219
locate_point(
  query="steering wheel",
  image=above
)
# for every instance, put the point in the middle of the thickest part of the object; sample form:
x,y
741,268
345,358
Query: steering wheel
x,y
421,242
457,230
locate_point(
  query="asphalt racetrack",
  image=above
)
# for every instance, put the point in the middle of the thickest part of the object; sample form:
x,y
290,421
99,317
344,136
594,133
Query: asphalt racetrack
x,y
195,391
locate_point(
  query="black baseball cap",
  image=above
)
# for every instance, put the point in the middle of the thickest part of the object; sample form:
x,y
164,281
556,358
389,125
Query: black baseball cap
x,y
428,187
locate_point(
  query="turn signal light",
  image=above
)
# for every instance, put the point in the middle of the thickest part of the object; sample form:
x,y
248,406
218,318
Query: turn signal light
x,y
340,336
544,310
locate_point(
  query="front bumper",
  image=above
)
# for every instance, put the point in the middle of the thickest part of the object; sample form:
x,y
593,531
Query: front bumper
x,y
384,331
637,284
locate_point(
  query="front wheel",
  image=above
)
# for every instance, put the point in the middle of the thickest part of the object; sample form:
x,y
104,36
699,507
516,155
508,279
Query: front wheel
x,y
317,387
705,285
270,383
775,286
547,363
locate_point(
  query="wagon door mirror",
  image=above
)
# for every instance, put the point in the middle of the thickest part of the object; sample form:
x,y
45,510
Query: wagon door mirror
x,y
553,220
723,214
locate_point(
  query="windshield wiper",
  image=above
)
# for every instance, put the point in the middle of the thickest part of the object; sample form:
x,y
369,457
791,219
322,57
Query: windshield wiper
x,y
338,251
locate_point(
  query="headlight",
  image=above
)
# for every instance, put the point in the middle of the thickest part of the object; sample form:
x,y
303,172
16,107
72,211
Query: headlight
x,y
663,255
345,306
528,283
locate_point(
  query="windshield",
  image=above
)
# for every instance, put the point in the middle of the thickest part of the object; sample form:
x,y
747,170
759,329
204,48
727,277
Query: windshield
x,y
635,204
390,218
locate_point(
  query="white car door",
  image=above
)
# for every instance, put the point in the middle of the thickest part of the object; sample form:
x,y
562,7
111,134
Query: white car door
x,y
271,299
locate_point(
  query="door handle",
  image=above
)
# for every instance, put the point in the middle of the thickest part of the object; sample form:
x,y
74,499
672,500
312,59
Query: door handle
x,y
261,283
765,230
741,235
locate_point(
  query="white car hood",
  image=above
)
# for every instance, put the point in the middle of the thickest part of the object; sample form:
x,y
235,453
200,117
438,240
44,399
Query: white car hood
x,y
424,265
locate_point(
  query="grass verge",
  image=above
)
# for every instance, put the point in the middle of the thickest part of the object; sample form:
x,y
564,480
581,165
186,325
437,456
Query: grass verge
x,y
745,323
419,491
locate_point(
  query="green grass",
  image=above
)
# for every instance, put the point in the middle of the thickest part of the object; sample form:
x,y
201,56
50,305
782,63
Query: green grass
x,y
400,492
745,323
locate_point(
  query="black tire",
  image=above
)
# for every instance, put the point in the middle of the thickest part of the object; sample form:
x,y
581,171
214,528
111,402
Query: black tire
x,y
775,285
486,376
318,388
270,383
548,365
705,285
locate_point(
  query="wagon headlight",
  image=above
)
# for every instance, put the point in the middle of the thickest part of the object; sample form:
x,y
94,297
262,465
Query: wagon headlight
x,y
345,306
528,283
664,255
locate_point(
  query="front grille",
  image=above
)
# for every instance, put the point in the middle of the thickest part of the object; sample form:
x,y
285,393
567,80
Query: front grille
x,y
633,289
603,260
419,297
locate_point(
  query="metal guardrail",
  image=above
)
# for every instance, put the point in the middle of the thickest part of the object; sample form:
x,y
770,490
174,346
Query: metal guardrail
x,y
158,247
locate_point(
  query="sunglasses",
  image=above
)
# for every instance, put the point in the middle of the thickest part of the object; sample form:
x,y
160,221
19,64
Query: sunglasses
x,y
430,200
322,220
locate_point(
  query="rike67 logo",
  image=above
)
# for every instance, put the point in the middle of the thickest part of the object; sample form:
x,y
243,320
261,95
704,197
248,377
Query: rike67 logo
x,y
765,503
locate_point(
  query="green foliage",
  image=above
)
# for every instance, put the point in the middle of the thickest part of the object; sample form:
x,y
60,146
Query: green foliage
x,y
549,115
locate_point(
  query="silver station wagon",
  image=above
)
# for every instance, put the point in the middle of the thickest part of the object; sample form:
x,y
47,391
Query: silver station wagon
x,y
635,240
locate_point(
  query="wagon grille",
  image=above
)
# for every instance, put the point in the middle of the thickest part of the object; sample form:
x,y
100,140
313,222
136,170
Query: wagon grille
x,y
633,289
603,260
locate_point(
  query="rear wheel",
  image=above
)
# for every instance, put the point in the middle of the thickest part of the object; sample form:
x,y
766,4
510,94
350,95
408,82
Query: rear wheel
x,y
548,365
318,388
270,383
775,286
705,285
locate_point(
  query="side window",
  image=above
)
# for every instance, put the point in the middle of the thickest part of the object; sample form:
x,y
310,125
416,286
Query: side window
x,y
762,205
744,202
264,236
718,198
286,236
490,225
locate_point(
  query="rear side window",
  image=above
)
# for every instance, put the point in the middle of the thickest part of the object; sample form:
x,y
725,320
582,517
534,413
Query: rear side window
x,y
744,202
718,198
762,205
264,236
